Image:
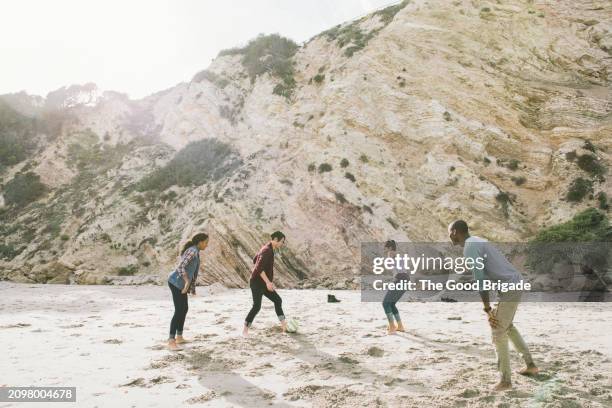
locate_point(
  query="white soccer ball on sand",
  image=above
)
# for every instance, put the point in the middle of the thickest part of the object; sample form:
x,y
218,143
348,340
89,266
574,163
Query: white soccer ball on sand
x,y
292,326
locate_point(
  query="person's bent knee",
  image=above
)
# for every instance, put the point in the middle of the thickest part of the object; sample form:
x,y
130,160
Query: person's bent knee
x,y
498,335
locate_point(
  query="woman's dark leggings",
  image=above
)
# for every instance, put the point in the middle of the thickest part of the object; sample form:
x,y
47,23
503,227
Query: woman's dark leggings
x,y
259,289
181,307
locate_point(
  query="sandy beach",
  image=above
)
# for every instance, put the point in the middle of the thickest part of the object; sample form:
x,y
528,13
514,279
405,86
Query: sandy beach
x,y
109,343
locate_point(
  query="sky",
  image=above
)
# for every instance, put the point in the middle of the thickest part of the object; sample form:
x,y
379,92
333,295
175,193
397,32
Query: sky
x,y
140,47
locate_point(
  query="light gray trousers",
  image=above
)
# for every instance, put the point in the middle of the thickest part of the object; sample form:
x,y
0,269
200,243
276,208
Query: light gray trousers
x,y
505,311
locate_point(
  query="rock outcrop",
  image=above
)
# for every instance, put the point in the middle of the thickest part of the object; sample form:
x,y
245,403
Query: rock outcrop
x,y
394,125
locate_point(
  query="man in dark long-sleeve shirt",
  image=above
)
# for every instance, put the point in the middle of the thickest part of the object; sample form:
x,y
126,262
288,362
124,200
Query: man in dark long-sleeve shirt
x,y
261,281
264,262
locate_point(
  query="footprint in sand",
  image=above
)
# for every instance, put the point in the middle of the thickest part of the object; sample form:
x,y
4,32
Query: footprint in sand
x,y
202,398
199,337
518,394
541,376
71,326
15,326
141,382
166,361
138,382
161,380
375,352
344,358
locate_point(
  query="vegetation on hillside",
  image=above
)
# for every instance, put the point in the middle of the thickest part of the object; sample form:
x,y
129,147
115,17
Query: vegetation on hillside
x,y
578,189
196,164
353,37
88,154
16,136
24,189
584,238
271,54
588,225
206,75
592,165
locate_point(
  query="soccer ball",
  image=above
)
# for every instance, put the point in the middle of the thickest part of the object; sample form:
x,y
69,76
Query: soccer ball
x,y
292,326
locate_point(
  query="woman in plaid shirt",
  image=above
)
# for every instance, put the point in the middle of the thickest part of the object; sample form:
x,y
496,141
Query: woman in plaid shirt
x,y
182,281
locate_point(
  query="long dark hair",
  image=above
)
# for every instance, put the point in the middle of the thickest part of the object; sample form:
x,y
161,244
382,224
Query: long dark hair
x,y
197,238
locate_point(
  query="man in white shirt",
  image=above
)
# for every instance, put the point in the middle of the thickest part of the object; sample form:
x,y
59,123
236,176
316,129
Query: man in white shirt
x,y
496,268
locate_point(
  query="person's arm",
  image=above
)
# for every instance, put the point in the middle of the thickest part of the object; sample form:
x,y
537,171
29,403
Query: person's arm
x,y
269,284
187,258
186,287
484,296
194,281
193,284
478,273
262,262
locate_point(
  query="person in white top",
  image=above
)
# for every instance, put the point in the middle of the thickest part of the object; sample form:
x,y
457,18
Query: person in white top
x,y
496,268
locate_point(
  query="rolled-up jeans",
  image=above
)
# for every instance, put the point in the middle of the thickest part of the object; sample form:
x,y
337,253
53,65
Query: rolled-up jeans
x,y
392,297
506,309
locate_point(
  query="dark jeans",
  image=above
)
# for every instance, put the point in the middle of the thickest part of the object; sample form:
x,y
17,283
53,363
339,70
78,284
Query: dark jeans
x,y
181,307
259,289
392,297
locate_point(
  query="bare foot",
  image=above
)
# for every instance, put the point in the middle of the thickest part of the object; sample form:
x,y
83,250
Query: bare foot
x,y
502,386
284,326
400,327
391,329
181,340
530,370
245,331
172,345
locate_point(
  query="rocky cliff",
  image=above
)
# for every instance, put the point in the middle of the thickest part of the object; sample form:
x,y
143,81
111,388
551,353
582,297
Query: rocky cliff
x,y
389,126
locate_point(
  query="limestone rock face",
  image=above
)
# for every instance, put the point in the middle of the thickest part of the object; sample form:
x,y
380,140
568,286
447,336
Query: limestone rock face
x,y
53,272
452,109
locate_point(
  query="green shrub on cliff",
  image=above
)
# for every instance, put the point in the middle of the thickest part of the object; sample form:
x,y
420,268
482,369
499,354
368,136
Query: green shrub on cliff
x,y
271,54
584,238
588,225
16,135
197,163
24,189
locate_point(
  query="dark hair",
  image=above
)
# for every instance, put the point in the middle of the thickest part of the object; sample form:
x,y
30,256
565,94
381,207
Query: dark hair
x,y
460,226
197,238
390,244
279,236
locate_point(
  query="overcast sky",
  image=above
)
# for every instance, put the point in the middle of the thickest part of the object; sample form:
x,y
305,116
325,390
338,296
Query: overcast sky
x,y
140,47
